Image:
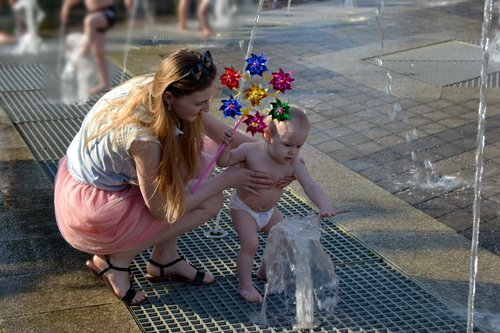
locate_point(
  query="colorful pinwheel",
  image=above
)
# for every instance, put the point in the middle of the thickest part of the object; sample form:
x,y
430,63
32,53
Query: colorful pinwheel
x,y
281,81
256,65
280,110
255,123
231,107
255,94
230,78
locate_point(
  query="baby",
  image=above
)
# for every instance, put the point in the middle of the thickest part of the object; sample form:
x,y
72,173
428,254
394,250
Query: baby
x,y
278,156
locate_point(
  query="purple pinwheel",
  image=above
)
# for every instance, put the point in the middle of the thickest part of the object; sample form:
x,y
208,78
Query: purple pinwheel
x,y
255,123
256,64
281,81
231,107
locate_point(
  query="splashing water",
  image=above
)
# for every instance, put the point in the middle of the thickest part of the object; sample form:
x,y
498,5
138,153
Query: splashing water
x,y
216,231
426,177
486,29
297,264
28,14
78,74
128,39
429,179
378,15
223,13
252,36
350,4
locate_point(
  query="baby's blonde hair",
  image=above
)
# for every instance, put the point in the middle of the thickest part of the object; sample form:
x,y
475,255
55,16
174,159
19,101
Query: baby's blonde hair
x,y
180,154
297,115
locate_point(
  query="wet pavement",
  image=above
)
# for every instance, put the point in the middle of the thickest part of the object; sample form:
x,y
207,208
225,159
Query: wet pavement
x,y
389,144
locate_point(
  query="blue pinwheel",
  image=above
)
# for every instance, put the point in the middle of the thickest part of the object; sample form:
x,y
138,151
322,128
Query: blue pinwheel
x,y
231,107
256,64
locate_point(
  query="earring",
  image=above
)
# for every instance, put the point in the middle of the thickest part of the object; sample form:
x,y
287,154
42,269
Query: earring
x,y
169,107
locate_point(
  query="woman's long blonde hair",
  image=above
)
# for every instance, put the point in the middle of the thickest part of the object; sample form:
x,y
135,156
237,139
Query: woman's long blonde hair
x,y
180,154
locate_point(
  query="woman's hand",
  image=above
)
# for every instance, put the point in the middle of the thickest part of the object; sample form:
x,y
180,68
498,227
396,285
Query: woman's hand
x,y
249,180
284,182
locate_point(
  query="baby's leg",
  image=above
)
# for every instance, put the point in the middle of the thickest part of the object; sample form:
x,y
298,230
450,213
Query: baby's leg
x,y
275,219
246,227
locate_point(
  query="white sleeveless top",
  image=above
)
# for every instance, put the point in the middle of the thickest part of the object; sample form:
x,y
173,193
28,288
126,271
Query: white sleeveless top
x,y
104,163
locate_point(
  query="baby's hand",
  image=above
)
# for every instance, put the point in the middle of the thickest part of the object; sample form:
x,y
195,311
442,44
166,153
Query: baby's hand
x,y
227,136
328,212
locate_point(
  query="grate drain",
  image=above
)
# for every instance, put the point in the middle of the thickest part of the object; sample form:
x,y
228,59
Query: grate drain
x,y
451,63
374,296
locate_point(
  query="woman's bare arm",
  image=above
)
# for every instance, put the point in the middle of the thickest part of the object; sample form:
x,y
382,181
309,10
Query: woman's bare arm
x,y
146,155
214,129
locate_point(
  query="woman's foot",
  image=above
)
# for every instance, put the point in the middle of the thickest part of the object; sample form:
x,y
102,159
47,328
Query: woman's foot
x,y
177,269
117,280
250,294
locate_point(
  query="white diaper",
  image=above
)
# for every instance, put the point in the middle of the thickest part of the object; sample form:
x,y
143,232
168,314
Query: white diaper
x,y
261,218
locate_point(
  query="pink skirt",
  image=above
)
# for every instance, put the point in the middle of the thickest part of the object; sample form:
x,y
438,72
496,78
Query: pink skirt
x,y
104,222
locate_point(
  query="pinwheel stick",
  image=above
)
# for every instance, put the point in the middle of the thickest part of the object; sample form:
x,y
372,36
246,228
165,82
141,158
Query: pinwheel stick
x,y
208,169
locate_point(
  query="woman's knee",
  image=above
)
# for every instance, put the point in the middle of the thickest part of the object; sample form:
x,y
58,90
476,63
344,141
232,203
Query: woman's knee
x,y
214,204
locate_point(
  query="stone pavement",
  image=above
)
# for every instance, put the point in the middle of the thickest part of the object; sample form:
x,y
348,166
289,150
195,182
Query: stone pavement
x,y
396,152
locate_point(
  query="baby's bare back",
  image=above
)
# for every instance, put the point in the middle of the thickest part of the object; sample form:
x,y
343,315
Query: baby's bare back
x,y
259,160
93,5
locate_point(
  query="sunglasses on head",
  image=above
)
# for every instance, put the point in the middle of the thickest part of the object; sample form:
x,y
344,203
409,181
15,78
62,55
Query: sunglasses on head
x,y
196,70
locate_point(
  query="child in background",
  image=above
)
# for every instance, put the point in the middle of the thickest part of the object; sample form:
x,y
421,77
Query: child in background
x,y
204,7
101,16
278,156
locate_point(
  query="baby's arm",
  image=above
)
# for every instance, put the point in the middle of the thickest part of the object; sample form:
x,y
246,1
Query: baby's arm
x,y
230,156
313,191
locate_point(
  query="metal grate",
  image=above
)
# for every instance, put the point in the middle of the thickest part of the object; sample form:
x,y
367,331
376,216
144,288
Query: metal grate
x,y
374,296
26,77
47,127
443,64
33,106
48,140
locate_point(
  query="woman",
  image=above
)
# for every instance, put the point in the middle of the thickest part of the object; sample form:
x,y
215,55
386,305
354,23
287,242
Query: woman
x,y
124,184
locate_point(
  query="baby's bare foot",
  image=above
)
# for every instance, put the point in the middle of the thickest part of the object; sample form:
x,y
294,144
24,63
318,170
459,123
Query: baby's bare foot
x,y
250,294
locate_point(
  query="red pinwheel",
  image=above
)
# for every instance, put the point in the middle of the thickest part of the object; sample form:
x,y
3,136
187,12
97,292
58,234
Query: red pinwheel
x,y
230,78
